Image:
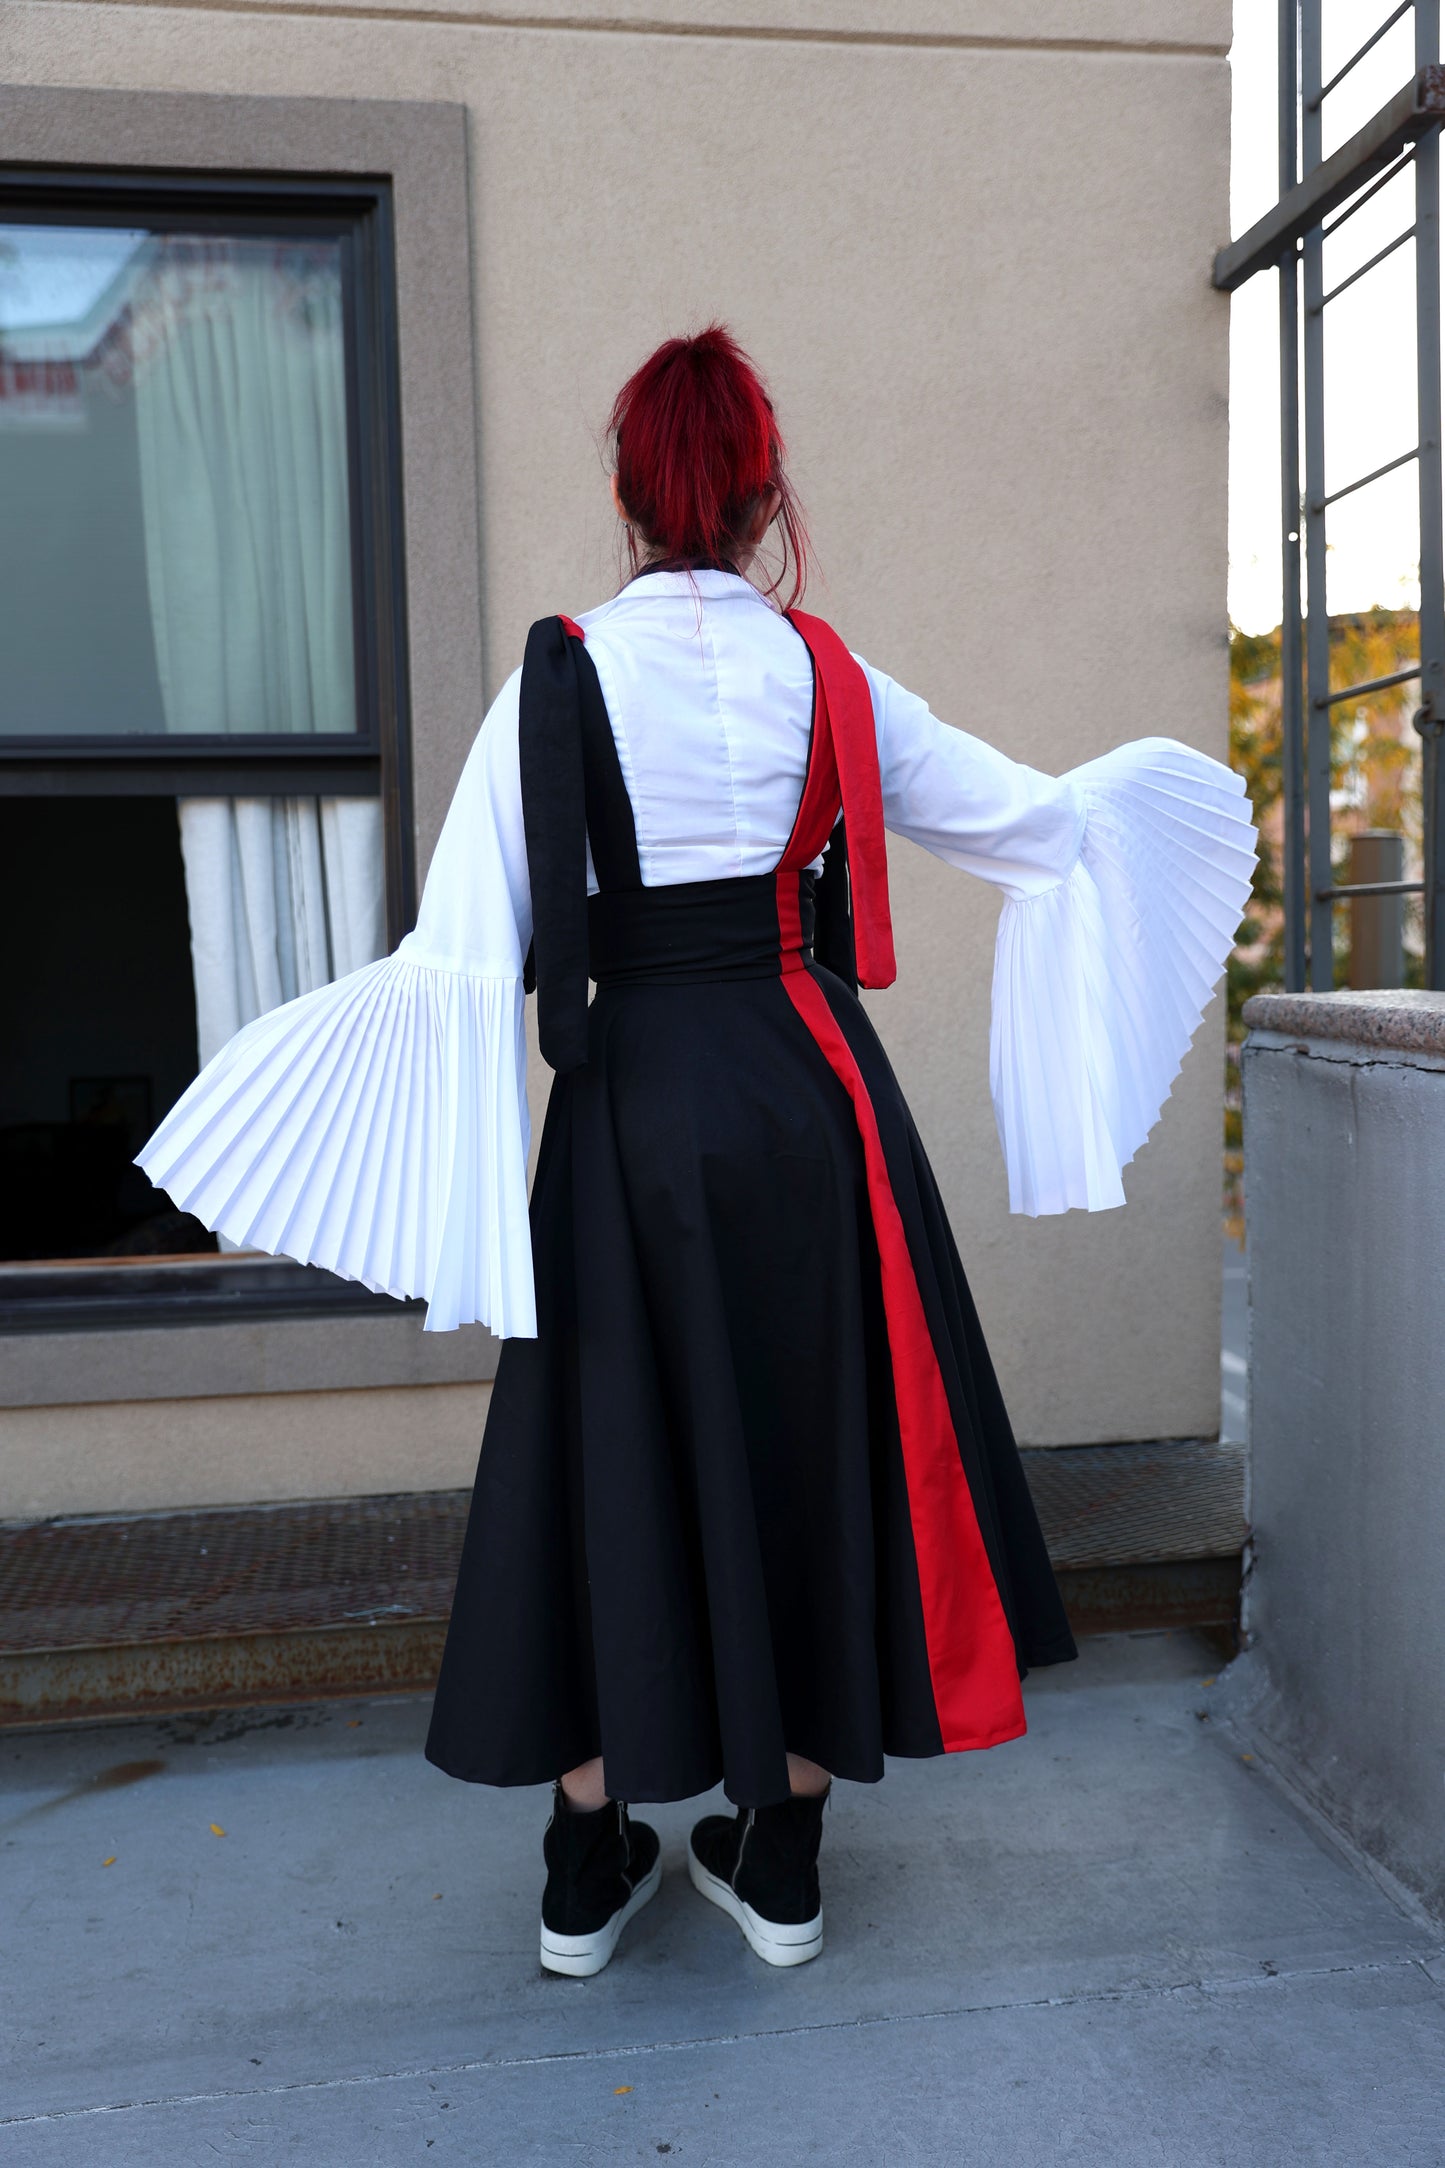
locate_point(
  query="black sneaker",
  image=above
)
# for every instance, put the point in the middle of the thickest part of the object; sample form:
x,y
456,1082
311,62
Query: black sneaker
x,y
601,1869
761,1868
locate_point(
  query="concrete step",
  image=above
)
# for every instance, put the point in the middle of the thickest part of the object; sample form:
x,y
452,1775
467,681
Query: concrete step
x,y
243,1605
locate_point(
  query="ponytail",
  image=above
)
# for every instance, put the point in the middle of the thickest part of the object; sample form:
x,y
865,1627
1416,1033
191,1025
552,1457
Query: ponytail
x,y
696,448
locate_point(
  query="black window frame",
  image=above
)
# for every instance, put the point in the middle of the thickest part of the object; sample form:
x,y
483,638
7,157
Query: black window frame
x,y
373,761
370,761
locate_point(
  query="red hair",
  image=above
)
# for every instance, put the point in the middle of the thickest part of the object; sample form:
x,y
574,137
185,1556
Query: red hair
x,y
696,447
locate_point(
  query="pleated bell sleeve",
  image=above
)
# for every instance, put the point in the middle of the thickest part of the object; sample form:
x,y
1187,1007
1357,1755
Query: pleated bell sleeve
x,y
378,1126
1125,883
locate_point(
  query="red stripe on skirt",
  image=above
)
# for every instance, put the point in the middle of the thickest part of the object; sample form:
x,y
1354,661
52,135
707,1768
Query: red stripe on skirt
x,y
972,1662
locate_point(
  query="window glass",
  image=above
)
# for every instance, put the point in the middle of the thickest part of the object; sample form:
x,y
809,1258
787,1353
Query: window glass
x,y
201,708
176,546
97,1025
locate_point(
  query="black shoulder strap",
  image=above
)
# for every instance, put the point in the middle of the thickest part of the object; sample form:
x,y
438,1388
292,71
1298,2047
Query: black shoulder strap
x,y
554,817
572,788
833,944
611,829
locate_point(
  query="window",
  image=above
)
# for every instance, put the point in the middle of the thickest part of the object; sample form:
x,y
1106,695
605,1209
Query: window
x,y
203,801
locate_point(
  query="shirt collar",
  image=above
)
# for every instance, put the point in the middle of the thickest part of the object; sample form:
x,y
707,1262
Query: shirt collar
x,y
712,585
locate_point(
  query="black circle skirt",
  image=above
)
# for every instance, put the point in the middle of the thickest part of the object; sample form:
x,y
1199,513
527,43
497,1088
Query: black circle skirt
x,y
714,1521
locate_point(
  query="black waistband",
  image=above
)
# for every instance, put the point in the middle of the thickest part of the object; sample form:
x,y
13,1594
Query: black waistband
x,y
693,931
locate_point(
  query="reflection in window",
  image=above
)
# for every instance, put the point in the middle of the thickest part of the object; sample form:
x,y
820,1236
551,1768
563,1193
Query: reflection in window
x,y
177,563
173,462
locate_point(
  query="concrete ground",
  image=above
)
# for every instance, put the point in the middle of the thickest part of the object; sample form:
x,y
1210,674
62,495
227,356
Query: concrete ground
x,y
1115,1942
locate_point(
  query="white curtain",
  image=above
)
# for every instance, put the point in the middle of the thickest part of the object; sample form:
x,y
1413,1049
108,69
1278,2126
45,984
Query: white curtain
x,y
284,894
240,412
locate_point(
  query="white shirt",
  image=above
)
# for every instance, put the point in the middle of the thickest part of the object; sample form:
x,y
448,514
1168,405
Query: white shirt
x,y
379,1126
710,694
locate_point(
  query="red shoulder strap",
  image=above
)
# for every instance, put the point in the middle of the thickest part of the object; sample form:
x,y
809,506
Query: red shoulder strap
x,y
846,705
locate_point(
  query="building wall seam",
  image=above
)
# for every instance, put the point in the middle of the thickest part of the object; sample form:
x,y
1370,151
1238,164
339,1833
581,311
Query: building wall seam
x,y
465,18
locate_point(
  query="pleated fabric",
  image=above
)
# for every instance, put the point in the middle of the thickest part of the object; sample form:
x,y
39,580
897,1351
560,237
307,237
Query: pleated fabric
x,y
377,1127
1102,980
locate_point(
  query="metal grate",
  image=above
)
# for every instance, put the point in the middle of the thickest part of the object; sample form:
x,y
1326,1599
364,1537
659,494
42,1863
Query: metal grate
x,y
1124,1505
229,1571
234,1571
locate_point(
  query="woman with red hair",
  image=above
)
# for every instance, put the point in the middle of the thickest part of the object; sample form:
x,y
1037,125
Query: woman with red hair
x,y
749,1508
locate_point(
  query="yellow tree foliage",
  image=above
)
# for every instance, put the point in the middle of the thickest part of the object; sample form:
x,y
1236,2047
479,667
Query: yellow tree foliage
x,y
1374,783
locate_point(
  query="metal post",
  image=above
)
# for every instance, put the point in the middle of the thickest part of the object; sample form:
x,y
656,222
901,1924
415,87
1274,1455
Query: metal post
x,y
1431,719
1377,922
1317,623
1291,688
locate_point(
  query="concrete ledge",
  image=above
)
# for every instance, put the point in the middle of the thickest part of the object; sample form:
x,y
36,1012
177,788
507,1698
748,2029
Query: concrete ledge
x,y
1344,1153
166,1678
1175,1595
334,1353
1401,1017
40,1688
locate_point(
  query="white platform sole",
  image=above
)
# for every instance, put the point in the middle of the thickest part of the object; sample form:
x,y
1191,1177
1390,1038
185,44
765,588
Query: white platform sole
x,y
579,1956
774,1944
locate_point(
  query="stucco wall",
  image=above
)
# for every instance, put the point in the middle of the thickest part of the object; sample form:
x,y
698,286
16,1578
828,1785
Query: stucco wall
x,y
1345,1172
976,268
145,1456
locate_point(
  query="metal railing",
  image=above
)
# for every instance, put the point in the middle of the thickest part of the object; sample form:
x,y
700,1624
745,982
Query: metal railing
x,y
1403,134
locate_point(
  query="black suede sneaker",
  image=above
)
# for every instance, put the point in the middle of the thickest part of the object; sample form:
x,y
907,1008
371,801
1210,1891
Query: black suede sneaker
x,y
601,1869
761,1868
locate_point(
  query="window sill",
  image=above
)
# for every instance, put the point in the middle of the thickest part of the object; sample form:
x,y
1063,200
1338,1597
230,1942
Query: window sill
x,y
66,1294
197,1328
